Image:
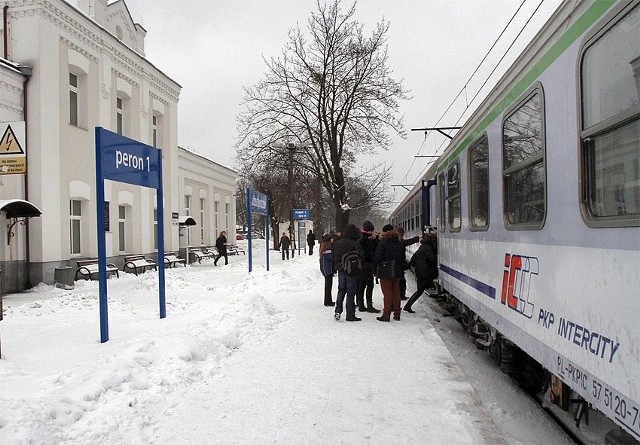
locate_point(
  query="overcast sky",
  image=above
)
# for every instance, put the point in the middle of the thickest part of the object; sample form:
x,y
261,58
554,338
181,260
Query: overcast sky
x,y
214,48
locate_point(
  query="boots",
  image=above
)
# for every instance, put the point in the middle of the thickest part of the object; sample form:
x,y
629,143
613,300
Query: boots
x,y
408,309
373,310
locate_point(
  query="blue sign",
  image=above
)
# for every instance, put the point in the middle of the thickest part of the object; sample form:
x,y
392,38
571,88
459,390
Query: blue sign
x,y
301,214
122,159
257,202
126,160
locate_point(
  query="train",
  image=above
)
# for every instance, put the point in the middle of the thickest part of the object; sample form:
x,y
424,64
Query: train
x,y
536,205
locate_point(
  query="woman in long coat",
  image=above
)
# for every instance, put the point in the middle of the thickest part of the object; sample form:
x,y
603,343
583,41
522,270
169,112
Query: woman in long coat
x,y
390,249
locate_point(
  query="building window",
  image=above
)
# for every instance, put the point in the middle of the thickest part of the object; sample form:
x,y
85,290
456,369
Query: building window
x,y
73,99
202,204
155,229
119,115
524,177
227,206
154,135
122,228
215,217
479,185
107,217
453,197
75,225
610,137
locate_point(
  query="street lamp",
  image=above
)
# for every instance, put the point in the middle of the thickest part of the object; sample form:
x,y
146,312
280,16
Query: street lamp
x,y
291,147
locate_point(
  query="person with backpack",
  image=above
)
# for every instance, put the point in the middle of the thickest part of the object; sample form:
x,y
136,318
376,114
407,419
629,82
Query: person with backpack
x,y
326,267
425,265
369,242
347,254
388,264
221,246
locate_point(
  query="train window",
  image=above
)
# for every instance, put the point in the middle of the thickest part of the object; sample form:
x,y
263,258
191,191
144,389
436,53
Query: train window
x,y
479,185
453,197
524,177
610,88
441,200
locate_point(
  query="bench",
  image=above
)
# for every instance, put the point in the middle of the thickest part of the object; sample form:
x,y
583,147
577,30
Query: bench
x,y
172,260
232,249
138,263
88,269
203,253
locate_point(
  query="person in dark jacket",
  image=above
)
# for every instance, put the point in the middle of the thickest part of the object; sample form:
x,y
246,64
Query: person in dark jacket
x,y
369,242
327,267
311,241
425,265
221,245
347,285
390,249
285,245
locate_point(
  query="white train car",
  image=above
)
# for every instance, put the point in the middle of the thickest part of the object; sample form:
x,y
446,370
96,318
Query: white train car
x,y
537,206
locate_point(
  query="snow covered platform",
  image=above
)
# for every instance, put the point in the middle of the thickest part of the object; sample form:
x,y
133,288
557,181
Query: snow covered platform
x,y
240,359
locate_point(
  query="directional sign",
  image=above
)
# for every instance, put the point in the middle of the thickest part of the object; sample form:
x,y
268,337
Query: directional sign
x,y
13,156
301,214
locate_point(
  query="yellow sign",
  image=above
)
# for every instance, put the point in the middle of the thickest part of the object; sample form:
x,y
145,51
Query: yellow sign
x,y
13,159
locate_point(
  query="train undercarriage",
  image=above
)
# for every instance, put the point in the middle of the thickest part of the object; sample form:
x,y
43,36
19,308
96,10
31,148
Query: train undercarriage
x,y
577,417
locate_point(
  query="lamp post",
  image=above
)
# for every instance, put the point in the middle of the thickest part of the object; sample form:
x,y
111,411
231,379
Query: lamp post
x,y
291,147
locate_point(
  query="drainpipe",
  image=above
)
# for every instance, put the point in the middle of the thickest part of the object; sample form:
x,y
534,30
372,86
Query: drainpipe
x,y
5,30
26,71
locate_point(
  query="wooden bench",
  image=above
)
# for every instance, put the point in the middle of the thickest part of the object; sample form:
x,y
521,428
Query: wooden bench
x,y
138,263
88,269
202,253
232,249
172,260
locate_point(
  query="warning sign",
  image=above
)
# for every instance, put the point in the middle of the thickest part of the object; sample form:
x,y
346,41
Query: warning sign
x,y
13,157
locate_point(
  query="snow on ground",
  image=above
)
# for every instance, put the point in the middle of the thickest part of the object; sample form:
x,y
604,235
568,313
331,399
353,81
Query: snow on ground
x,y
240,359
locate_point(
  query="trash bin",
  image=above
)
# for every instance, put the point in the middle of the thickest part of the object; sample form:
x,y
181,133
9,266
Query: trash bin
x,y
63,277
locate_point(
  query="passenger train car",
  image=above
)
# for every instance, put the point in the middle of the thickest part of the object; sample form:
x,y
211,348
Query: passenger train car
x,y
536,203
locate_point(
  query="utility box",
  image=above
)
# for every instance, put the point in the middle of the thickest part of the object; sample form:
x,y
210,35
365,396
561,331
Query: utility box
x,y
63,277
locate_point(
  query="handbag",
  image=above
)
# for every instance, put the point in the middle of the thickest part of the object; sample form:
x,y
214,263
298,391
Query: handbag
x,y
386,269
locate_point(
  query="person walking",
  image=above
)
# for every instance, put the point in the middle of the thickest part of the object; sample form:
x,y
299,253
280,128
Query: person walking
x,y
425,265
369,242
285,244
311,241
347,281
221,246
327,267
388,264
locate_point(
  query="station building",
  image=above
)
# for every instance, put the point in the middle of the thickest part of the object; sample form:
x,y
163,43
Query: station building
x,y
66,69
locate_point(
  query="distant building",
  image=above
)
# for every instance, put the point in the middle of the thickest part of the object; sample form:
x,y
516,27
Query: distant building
x,y
80,68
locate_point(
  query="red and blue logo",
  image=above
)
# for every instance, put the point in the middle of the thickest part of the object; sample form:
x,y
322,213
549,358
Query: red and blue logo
x,y
516,283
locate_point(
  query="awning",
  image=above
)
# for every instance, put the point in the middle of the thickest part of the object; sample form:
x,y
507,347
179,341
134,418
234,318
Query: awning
x,y
186,221
19,208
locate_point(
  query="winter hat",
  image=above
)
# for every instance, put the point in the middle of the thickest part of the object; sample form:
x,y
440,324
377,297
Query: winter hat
x,y
367,226
326,237
387,228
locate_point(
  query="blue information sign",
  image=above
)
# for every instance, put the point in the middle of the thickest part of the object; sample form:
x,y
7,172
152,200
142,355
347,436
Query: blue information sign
x,y
301,214
122,159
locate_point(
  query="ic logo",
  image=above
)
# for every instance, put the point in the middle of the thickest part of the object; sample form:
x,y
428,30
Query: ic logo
x,y
516,283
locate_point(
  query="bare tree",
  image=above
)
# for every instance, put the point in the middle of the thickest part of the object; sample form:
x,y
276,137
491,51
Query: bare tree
x,y
331,94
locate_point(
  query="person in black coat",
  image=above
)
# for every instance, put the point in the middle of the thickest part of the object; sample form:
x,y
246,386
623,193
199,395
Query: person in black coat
x,y
221,245
425,265
369,242
285,245
390,249
347,285
311,241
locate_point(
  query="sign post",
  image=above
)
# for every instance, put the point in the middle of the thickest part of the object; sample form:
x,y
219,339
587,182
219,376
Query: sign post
x,y
257,203
122,159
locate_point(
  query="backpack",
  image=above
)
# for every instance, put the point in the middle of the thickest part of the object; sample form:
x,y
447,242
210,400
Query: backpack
x,y
351,263
326,263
